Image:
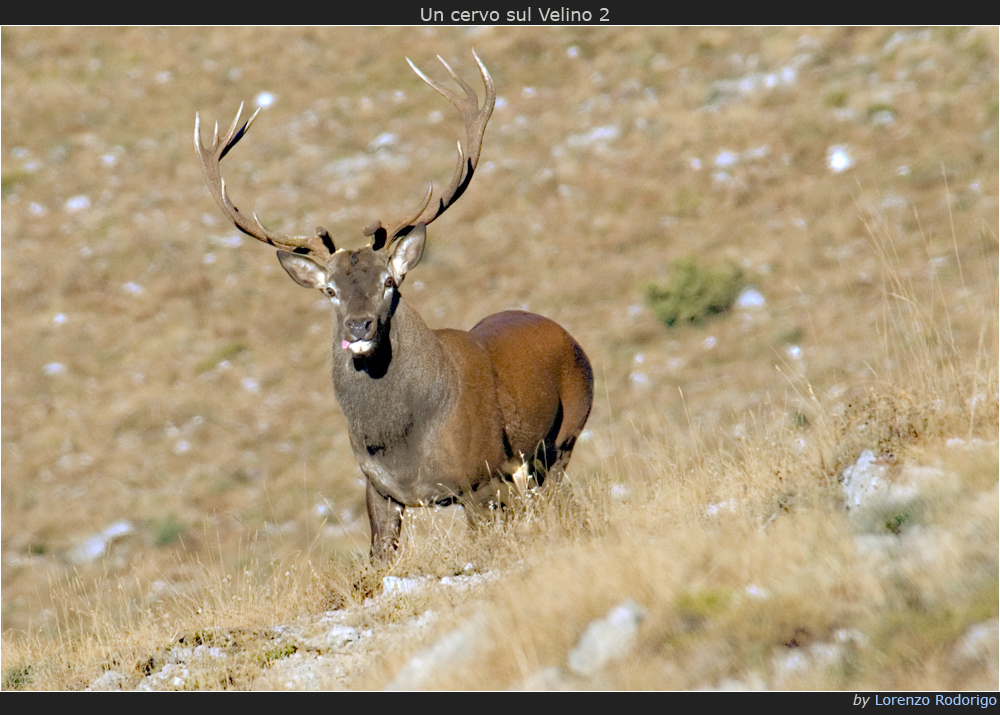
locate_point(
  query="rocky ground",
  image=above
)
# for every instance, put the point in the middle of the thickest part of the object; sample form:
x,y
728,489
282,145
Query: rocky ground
x,y
887,502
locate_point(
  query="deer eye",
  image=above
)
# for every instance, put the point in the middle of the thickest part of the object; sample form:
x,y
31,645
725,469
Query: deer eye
x,y
389,283
329,292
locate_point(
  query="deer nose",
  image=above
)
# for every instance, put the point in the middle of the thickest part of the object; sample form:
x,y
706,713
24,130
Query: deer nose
x,y
360,328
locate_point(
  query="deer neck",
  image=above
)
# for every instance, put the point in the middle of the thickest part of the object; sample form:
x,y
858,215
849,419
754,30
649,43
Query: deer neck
x,y
405,383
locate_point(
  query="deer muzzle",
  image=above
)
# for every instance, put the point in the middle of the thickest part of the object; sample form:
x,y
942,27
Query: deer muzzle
x,y
359,335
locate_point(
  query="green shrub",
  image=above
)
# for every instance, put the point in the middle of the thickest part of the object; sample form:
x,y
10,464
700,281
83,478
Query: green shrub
x,y
694,291
166,530
17,678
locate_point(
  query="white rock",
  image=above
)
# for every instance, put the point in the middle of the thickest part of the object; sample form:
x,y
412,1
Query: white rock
x,y
978,643
96,546
750,299
111,680
451,649
607,639
838,158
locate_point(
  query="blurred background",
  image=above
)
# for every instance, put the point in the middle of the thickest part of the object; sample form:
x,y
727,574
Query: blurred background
x,y
166,390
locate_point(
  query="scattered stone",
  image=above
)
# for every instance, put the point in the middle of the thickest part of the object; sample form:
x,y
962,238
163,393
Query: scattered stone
x,y
729,506
863,480
880,497
750,299
978,645
551,679
173,676
110,680
607,639
336,637
838,158
451,649
395,585
303,672
791,667
96,546
341,635
751,682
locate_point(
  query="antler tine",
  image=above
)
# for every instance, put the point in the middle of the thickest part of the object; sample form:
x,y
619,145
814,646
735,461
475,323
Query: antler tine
x,y
476,119
210,158
444,91
380,234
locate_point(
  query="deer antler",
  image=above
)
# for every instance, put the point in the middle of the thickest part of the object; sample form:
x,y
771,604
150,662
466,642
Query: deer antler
x,y
210,158
475,128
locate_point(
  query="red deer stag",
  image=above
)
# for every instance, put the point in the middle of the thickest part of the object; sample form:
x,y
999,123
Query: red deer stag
x,y
435,416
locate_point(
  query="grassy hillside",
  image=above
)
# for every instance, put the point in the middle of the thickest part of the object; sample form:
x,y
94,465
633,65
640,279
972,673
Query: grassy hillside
x,y
174,461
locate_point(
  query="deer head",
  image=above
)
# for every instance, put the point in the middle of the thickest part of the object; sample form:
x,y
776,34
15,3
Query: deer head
x,y
361,284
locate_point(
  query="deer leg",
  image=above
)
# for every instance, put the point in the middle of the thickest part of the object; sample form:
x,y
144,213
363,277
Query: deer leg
x,y
385,515
575,402
561,449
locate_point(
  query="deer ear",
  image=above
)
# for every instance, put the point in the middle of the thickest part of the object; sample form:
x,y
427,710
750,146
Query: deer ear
x,y
303,270
407,251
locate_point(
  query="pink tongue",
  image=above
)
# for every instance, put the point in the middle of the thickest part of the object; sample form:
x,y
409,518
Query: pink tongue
x,y
344,344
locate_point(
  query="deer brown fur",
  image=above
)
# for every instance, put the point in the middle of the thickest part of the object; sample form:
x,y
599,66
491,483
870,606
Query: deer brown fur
x,y
435,416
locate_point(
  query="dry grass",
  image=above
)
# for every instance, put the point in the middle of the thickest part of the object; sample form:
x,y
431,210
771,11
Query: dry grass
x,y
157,372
